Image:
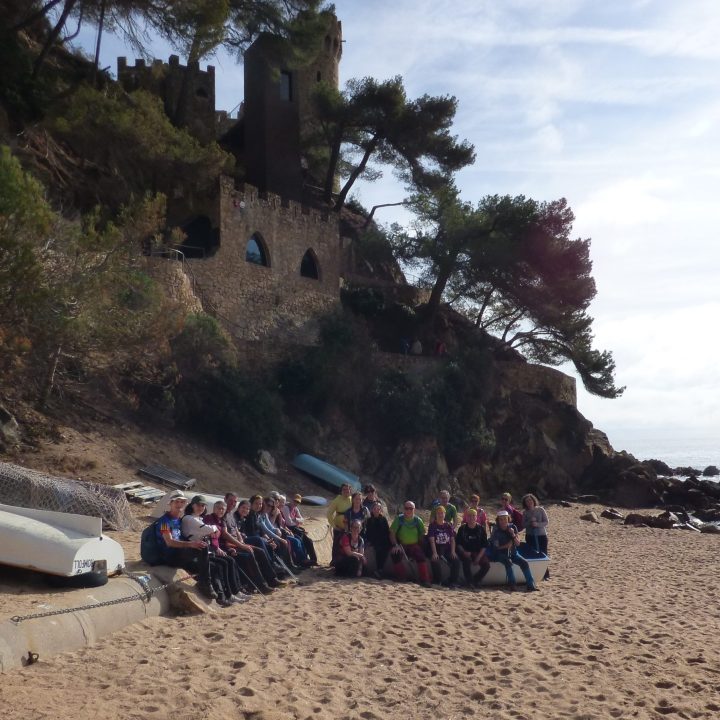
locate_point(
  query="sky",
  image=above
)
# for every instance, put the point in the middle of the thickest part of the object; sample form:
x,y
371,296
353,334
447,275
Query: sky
x,y
613,105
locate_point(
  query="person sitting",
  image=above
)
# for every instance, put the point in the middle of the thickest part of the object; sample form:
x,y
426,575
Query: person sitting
x,y
407,533
377,536
441,541
294,522
471,544
247,516
190,555
356,511
262,557
336,517
503,544
480,515
277,520
516,517
352,562
451,513
535,520
284,546
242,553
194,528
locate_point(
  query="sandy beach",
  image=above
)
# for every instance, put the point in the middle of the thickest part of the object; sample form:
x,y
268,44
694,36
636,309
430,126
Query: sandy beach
x,y
626,628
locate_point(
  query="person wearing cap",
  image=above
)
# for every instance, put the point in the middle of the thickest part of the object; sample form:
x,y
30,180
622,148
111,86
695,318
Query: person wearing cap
x,y
451,513
504,542
294,522
190,555
223,574
336,517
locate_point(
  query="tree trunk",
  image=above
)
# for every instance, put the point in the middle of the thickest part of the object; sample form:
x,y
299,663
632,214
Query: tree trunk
x,y
50,377
53,36
97,44
439,288
355,174
332,167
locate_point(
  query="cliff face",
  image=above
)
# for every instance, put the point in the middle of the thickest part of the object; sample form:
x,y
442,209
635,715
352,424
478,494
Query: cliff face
x,y
540,443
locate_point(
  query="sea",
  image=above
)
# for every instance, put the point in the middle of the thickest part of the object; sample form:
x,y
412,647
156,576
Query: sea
x,y
677,449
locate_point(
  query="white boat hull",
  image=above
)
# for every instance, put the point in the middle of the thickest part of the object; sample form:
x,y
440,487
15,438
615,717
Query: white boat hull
x,y
60,544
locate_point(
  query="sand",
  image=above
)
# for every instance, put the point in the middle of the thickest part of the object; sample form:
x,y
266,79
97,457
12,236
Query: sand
x,y
626,628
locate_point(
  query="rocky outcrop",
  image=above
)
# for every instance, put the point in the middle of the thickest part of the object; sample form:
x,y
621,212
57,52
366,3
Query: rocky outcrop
x,y
9,431
711,471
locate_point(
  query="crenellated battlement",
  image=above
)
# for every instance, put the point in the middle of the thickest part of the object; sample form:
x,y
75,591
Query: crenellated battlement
x,y
250,196
173,63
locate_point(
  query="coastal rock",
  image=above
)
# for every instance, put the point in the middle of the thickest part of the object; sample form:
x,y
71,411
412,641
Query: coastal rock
x,y
590,517
9,430
663,522
266,463
686,471
660,467
612,514
711,471
710,528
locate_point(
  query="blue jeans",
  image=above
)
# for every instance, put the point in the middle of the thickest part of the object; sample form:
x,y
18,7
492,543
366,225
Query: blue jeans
x,y
514,558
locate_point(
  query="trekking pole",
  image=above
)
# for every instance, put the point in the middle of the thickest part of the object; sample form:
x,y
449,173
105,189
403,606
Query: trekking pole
x,y
287,569
249,579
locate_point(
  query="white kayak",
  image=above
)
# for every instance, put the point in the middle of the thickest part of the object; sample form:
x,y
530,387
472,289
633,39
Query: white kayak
x,y
64,545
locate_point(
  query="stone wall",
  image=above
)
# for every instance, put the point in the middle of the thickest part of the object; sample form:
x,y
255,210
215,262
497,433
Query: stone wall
x,y
169,272
256,302
537,380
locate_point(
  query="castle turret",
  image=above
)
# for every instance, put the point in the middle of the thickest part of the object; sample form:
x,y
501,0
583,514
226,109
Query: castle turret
x,y
279,113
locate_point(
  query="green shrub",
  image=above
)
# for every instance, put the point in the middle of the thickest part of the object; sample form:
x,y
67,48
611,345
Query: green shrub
x,y
229,409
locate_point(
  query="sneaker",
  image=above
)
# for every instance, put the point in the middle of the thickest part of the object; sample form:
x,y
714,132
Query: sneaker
x,y
222,601
532,588
239,598
206,590
265,589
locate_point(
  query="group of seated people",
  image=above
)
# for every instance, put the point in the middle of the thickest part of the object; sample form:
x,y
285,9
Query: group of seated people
x,y
360,523
239,547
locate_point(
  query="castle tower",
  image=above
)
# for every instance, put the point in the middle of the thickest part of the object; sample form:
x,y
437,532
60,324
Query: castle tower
x,y
187,92
278,109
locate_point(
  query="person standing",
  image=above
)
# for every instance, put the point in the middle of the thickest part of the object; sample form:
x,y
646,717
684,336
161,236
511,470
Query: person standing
x,y
451,513
535,520
336,516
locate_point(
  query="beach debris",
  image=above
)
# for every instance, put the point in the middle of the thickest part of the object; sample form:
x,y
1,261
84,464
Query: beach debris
x,y
612,514
587,498
266,463
565,503
590,517
709,528
688,526
166,476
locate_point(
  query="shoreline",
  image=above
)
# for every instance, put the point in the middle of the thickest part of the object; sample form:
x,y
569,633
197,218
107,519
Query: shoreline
x,y
623,629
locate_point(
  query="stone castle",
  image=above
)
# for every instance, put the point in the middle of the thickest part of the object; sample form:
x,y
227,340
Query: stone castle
x,y
263,256
260,255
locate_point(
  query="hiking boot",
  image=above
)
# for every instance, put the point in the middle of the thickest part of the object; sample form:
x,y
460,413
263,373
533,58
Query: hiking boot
x,y
532,588
265,589
222,601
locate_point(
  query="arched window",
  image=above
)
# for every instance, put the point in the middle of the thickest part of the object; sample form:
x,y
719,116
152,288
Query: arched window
x,y
309,266
255,251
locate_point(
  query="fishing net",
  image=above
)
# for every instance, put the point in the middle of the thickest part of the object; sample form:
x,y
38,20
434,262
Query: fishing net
x,y
22,487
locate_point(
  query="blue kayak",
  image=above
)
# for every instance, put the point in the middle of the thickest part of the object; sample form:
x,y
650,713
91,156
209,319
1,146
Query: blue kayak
x,y
332,476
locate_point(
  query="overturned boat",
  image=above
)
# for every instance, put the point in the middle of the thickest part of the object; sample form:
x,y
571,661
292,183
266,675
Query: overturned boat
x,y
70,548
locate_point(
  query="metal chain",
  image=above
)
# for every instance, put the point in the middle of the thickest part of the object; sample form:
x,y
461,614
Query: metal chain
x,y
148,592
